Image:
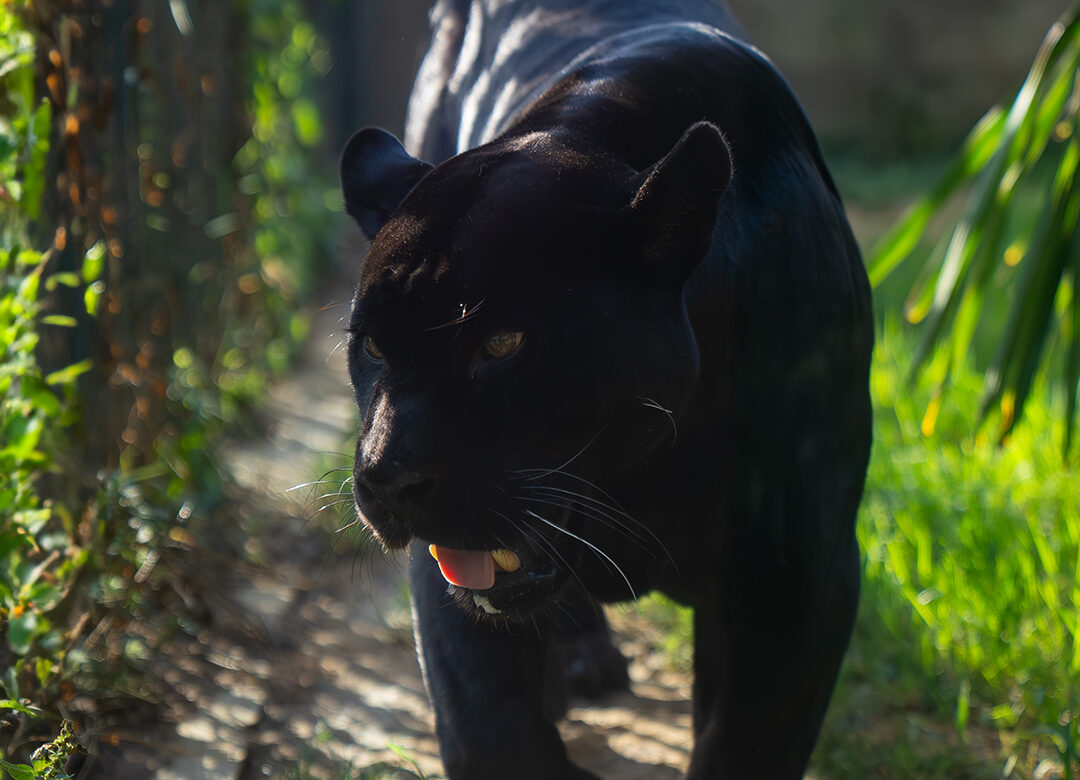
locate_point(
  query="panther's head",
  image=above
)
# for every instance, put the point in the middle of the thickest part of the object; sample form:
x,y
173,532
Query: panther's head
x,y
519,333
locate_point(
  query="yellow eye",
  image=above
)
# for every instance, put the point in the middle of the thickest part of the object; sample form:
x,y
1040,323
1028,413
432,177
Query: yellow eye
x,y
503,344
372,350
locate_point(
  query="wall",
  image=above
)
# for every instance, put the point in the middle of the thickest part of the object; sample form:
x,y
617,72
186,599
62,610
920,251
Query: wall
x,y
884,78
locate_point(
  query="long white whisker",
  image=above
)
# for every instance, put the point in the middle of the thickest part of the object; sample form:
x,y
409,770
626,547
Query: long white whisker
x,y
610,510
631,525
320,482
588,544
339,502
539,539
592,514
651,404
539,474
578,454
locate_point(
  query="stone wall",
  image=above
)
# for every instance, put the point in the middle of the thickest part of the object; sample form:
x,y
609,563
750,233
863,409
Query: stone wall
x,y
882,77
899,76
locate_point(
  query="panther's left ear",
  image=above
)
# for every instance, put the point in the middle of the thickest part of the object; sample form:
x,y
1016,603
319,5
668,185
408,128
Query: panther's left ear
x,y
676,202
376,175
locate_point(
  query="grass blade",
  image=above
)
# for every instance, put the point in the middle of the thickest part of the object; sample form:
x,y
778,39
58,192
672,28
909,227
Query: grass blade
x,y
1072,359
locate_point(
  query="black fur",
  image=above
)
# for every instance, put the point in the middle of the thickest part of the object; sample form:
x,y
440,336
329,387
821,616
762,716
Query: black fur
x,y
638,193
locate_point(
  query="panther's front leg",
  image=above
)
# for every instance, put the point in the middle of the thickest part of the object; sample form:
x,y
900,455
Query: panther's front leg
x,y
768,647
487,683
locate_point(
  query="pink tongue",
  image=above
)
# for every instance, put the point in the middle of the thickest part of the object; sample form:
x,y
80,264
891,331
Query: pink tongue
x,y
466,568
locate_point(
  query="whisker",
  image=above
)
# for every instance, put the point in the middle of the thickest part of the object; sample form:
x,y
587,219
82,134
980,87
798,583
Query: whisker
x,y
631,525
466,314
590,513
613,509
334,351
651,404
541,473
578,454
531,533
317,482
351,524
332,504
588,544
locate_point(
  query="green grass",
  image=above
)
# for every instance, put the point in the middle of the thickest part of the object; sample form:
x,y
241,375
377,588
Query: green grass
x,y
972,561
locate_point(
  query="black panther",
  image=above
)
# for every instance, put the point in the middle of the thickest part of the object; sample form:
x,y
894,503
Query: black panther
x,y
612,335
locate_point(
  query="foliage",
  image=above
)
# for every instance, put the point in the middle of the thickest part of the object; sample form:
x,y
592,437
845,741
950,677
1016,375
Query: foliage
x,y
176,368
973,550
1035,144
38,557
47,762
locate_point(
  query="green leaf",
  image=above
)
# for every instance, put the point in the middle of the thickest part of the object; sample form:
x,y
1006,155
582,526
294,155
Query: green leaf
x,y
28,288
309,129
93,262
41,398
21,631
1072,360
60,320
68,375
1004,150
23,433
92,297
899,242
65,278
1026,334
34,172
12,704
18,771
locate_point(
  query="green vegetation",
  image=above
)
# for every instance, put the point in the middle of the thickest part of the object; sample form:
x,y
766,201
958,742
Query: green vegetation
x,y
966,657
38,563
114,394
971,553
1034,145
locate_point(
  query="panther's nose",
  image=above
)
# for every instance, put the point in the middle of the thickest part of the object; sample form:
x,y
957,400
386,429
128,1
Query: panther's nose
x,y
393,484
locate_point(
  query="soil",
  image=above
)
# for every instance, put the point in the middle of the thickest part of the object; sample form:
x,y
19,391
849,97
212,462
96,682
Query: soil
x,y
302,662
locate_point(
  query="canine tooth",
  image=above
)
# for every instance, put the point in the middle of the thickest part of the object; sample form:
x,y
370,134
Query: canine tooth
x,y
484,604
506,560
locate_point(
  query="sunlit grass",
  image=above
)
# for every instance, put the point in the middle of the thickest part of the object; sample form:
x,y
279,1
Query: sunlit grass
x,y
973,551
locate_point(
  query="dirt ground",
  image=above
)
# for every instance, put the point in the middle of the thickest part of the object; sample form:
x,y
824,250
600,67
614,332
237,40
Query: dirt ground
x,y
305,665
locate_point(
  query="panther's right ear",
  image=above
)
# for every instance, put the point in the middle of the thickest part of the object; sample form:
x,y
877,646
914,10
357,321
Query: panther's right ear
x,y
376,175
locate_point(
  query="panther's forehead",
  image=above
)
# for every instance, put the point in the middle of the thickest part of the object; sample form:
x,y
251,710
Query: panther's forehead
x,y
470,233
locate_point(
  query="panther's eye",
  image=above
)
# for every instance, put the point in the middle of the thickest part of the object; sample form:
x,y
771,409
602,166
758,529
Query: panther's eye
x,y
371,350
503,344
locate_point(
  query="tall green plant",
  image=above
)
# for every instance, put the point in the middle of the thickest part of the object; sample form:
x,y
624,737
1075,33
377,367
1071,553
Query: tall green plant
x,y
1035,143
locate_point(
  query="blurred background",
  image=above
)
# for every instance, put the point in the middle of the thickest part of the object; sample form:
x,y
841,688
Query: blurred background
x,y
175,263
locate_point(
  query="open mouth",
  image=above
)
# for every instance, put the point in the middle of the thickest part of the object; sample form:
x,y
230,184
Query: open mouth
x,y
498,581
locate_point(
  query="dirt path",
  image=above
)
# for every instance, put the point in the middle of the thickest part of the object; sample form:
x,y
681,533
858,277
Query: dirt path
x,y
306,667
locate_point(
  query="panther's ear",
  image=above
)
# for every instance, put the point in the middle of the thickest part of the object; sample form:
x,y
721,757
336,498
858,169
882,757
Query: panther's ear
x,y
676,201
376,175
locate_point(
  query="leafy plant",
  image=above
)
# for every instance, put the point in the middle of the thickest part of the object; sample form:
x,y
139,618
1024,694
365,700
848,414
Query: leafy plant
x,y
48,761
39,559
1035,144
